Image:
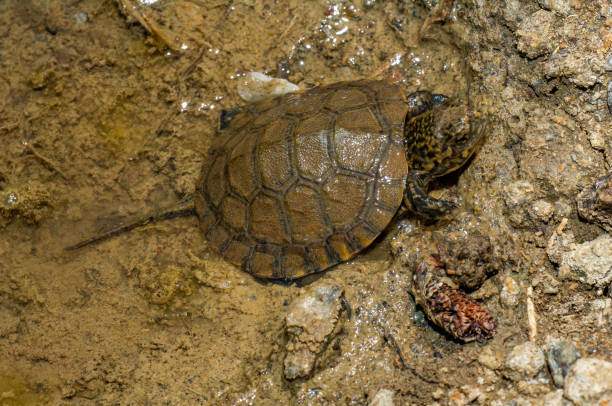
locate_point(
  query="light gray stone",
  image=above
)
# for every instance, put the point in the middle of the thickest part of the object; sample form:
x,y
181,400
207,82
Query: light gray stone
x,y
383,397
589,262
589,382
524,361
561,7
310,324
541,210
509,296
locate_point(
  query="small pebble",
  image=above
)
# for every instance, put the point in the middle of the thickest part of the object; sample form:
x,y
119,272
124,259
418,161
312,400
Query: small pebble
x,y
610,96
549,284
383,397
464,395
535,34
255,86
81,18
509,295
561,356
490,358
561,7
597,140
589,262
608,64
309,325
541,210
563,208
589,382
555,398
595,203
601,313
518,193
524,361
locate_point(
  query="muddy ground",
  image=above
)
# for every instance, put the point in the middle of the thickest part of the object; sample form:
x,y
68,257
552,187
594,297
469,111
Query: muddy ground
x,y
107,111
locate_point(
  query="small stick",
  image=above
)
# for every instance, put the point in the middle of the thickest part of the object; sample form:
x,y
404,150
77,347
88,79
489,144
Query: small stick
x,y
280,37
289,27
438,15
399,351
531,316
386,65
557,231
389,337
197,60
174,112
48,162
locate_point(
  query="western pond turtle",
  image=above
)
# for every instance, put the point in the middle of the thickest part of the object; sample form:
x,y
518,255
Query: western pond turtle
x,y
296,184
304,181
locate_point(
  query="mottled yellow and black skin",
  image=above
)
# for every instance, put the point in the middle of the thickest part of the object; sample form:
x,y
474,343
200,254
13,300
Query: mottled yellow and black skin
x,y
438,141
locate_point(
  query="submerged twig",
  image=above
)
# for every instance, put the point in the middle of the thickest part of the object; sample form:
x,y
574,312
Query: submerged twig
x,y
47,161
181,77
391,339
439,14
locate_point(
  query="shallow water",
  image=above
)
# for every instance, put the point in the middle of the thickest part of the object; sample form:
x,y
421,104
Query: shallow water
x,y
102,122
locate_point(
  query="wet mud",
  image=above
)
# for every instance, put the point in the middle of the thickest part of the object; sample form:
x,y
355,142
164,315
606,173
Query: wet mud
x,y
107,110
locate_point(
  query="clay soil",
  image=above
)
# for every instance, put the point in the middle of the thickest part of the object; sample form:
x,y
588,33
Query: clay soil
x,y
106,114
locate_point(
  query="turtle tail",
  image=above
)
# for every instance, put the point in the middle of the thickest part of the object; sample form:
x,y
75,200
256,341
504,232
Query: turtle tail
x,y
185,208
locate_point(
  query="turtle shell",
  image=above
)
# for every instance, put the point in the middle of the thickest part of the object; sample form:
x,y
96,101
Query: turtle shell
x,y
304,181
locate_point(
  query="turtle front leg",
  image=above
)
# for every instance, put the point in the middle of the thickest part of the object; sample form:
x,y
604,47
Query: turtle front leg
x,y
417,199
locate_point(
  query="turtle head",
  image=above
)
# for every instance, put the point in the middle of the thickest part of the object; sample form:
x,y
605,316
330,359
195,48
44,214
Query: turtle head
x,y
443,138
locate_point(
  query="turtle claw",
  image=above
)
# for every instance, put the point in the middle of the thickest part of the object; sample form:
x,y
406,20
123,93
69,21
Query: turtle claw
x,y
417,200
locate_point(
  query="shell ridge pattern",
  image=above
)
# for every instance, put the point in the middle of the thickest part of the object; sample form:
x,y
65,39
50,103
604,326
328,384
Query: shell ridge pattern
x,y
287,213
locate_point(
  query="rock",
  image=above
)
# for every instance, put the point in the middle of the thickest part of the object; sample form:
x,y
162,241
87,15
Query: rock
x,y
608,65
560,246
535,34
541,210
490,357
464,395
81,18
516,195
561,7
589,382
597,134
595,204
256,86
590,262
609,96
581,62
555,398
546,282
524,361
310,324
383,397
510,292
601,312
560,357
563,208
537,386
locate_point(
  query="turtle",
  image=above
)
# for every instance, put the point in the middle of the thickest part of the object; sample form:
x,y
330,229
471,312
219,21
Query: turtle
x,y
298,183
